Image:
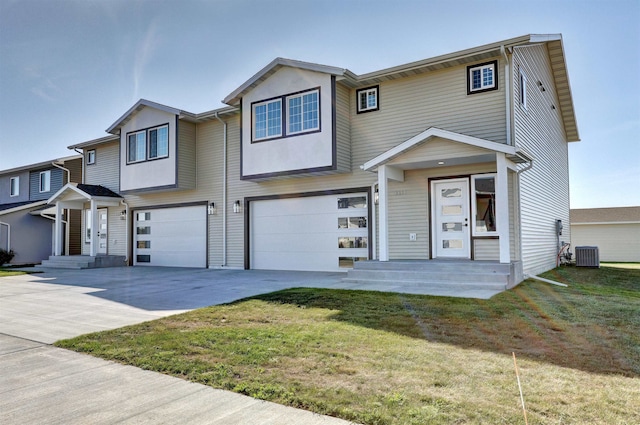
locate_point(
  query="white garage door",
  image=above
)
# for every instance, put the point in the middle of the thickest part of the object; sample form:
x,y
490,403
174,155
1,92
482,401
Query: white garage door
x,y
319,233
175,237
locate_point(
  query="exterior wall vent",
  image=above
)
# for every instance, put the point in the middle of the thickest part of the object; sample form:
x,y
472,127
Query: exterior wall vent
x,y
587,256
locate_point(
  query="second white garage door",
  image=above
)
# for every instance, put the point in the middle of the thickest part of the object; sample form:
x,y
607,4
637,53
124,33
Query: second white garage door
x,y
175,237
317,233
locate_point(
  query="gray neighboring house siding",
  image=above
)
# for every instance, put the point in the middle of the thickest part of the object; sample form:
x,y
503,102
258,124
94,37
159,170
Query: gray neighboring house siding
x,y
5,188
34,241
57,181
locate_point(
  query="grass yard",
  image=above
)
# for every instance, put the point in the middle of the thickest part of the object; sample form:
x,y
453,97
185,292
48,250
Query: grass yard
x,y
383,358
10,272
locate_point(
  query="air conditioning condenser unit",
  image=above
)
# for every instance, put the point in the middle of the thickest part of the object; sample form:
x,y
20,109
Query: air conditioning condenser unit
x,y
587,256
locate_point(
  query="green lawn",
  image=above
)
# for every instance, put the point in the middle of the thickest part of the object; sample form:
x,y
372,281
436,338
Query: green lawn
x,y
10,272
383,358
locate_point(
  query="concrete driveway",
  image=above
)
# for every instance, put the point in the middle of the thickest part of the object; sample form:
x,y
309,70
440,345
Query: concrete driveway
x,y
41,384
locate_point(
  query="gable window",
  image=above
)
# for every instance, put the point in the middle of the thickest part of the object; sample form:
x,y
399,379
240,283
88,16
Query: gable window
x,y
45,181
137,146
484,204
523,89
14,186
267,119
159,142
367,99
91,157
302,112
482,77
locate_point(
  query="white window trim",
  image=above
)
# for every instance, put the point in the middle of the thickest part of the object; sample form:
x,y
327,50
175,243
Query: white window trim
x,y
523,89
91,157
288,120
148,153
17,186
493,86
366,92
254,121
135,133
46,181
474,204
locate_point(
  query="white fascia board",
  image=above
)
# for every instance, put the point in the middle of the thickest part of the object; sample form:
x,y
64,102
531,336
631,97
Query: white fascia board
x,y
139,104
23,207
68,186
39,165
436,132
544,38
94,142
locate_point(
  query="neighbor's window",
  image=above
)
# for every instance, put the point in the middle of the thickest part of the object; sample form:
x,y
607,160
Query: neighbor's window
x,y
137,146
523,89
484,204
267,119
159,142
45,181
91,157
367,99
482,77
302,112
14,186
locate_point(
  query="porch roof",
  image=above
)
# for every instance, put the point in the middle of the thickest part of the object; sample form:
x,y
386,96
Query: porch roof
x,y
80,193
512,153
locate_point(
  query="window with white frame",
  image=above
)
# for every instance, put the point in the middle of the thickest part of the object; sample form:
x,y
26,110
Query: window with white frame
x,y
45,181
91,157
137,146
14,186
267,119
482,77
483,205
159,142
523,89
367,99
302,112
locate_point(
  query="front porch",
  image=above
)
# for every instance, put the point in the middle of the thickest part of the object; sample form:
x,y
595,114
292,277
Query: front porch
x,y
78,262
431,276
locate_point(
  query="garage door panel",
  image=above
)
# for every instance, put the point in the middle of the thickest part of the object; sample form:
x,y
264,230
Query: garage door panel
x,y
304,261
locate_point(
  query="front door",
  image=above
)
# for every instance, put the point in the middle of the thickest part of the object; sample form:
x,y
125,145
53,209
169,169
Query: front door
x,y
450,218
103,234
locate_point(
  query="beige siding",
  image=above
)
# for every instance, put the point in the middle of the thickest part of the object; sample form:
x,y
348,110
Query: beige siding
x,y
106,170
186,155
438,99
486,249
544,190
615,242
514,223
438,149
343,128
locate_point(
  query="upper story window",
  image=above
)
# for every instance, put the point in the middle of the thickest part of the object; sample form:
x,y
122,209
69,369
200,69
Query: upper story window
x,y
482,77
45,181
91,157
302,112
301,115
523,89
152,143
367,99
14,186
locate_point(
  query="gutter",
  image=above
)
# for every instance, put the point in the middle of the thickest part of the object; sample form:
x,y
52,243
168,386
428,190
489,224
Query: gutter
x,y
224,189
83,160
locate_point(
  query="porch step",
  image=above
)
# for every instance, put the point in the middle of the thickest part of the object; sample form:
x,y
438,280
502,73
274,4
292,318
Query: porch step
x,y
444,274
78,262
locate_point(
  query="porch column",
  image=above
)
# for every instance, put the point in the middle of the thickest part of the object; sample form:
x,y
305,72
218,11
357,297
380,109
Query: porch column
x,y
93,245
502,207
383,214
57,233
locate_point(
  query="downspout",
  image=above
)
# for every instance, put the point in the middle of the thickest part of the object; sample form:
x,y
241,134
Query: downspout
x,y
224,190
81,153
126,207
67,232
507,83
8,235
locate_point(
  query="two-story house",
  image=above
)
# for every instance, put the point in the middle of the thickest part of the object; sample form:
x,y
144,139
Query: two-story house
x,y
26,225
311,167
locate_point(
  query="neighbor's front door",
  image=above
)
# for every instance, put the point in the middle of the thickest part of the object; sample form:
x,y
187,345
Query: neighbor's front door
x,y
103,234
450,218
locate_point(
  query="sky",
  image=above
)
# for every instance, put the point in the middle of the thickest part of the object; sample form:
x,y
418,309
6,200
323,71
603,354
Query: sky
x,y
69,69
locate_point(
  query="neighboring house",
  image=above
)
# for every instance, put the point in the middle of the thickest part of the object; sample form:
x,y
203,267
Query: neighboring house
x,y
615,231
26,225
312,167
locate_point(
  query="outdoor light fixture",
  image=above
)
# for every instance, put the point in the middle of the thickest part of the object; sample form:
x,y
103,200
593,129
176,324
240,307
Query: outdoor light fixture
x,y
123,215
236,207
211,208
376,197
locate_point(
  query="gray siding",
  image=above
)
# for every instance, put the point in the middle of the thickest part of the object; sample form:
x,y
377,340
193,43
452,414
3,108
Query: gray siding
x,y
57,179
544,190
106,170
5,188
31,237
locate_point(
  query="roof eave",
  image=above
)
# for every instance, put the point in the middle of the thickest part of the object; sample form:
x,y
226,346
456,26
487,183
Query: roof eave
x,y
139,105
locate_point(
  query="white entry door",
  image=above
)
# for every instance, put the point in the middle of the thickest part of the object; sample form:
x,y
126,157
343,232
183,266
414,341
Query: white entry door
x,y
450,218
103,233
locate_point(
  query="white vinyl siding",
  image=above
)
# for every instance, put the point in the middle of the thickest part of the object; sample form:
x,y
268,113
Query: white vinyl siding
x,y
544,189
486,249
615,241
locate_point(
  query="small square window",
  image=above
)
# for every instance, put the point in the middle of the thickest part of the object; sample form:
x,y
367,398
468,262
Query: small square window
x,y
91,157
367,99
482,77
14,189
